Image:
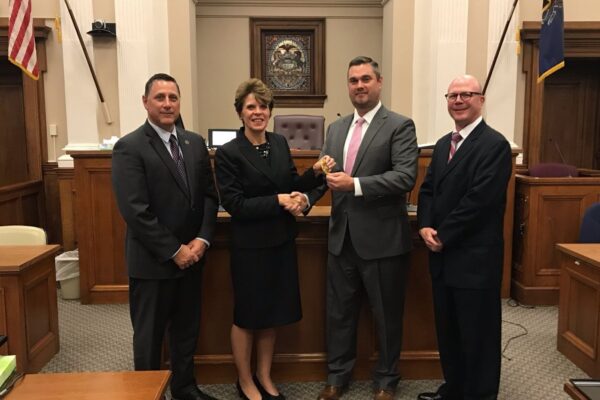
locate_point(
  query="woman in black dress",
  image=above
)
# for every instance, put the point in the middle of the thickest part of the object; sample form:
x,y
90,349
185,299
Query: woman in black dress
x,y
260,188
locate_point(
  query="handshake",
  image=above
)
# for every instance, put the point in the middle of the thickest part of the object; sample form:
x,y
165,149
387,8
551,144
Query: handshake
x,y
297,202
294,203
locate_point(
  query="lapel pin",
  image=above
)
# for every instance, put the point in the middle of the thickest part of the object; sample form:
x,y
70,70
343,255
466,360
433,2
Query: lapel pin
x,y
187,142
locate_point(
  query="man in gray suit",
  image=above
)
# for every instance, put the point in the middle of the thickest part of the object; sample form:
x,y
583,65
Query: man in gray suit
x,y
369,234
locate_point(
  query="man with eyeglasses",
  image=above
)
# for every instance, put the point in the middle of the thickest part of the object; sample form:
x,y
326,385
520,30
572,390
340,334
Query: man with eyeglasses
x,y
460,218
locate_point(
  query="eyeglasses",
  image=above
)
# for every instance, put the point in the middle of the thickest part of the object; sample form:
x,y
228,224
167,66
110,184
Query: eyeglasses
x,y
463,95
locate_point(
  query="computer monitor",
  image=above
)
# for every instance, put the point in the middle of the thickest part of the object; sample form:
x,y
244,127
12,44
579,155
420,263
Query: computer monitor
x,y
218,137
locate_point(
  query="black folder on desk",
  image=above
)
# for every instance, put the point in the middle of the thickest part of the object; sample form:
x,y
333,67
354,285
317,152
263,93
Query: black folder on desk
x,y
590,388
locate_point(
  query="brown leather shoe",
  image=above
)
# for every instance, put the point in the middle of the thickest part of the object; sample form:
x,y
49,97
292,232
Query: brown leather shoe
x,y
383,394
331,392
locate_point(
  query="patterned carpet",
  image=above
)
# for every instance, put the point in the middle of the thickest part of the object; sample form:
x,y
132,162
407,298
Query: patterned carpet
x,y
98,338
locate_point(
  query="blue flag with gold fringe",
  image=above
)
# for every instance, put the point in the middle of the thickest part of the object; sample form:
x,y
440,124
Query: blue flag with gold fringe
x,y
552,57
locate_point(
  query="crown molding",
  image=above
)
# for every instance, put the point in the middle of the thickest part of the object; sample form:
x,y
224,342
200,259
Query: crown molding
x,y
291,3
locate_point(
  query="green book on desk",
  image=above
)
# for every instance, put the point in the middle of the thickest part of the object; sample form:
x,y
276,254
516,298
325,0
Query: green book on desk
x,y
7,366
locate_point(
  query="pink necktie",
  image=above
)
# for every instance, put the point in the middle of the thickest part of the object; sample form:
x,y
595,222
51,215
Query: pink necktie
x,y
453,143
353,146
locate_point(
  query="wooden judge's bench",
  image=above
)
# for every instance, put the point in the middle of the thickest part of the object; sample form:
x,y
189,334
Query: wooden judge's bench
x,y
300,352
548,211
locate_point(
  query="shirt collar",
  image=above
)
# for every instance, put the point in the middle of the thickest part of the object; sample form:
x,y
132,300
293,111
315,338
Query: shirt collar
x,y
368,117
164,134
464,132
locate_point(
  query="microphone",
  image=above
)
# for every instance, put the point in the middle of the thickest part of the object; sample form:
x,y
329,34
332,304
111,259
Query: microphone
x,y
559,152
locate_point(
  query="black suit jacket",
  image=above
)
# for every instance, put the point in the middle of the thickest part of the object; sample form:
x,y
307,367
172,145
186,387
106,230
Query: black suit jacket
x,y
248,187
160,211
464,200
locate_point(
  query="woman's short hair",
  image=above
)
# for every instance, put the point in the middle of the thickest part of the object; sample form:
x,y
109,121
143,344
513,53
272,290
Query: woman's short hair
x,y
256,87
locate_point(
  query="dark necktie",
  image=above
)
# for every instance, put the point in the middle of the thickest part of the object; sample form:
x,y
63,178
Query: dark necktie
x,y
453,143
177,158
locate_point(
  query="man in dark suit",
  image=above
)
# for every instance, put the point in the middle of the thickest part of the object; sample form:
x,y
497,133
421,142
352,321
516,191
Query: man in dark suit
x,y
163,183
460,218
369,234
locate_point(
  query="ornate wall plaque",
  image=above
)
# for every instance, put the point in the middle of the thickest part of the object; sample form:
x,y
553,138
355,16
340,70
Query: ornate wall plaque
x,y
288,55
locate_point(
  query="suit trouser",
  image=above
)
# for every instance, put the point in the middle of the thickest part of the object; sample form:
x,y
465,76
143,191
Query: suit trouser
x,y
158,304
384,281
468,324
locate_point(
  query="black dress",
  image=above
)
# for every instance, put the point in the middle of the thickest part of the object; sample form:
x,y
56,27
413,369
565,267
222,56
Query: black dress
x,y
263,264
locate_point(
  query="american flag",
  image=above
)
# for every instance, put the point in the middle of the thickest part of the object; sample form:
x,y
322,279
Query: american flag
x,y
21,43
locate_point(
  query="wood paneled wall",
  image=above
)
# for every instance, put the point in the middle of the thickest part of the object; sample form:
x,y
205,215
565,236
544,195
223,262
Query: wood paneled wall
x,y
22,204
23,135
560,120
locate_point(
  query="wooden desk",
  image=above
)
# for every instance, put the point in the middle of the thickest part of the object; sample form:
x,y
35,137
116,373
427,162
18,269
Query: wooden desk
x,y
300,351
547,211
573,392
579,307
126,385
103,276
28,307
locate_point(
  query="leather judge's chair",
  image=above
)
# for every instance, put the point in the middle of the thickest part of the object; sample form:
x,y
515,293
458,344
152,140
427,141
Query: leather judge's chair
x,y
553,170
22,235
304,132
590,225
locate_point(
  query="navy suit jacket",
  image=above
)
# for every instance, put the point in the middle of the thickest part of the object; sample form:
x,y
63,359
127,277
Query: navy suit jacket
x,y
249,186
464,200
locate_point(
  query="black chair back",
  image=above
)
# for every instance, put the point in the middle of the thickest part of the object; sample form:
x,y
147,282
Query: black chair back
x,y
589,231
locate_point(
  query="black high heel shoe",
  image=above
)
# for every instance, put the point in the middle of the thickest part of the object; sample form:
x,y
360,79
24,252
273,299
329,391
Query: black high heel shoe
x,y
242,394
263,392
240,391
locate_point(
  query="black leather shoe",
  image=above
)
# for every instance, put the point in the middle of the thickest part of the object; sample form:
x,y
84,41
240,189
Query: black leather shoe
x,y
263,392
192,393
430,396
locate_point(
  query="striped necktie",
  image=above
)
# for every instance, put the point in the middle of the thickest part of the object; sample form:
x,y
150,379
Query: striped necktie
x,y
453,143
177,158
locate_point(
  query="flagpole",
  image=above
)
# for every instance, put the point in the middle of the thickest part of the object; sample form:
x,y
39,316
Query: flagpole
x,y
489,75
89,63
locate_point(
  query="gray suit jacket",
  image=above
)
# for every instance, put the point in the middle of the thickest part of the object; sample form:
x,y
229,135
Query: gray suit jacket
x,y
386,165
